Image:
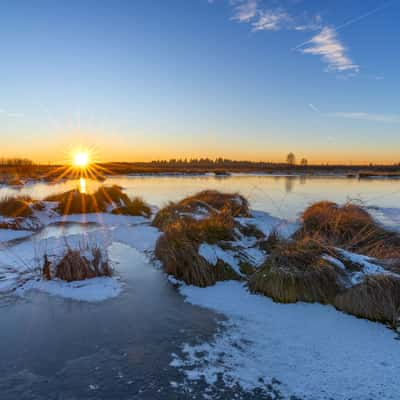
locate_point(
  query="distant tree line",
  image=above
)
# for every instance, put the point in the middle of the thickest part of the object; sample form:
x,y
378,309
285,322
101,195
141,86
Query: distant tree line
x,y
220,162
209,163
15,162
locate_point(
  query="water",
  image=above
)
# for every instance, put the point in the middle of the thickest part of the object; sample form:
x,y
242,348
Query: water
x,y
283,196
54,348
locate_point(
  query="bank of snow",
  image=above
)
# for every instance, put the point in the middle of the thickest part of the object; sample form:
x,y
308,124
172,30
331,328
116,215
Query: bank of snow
x,y
314,351
93,290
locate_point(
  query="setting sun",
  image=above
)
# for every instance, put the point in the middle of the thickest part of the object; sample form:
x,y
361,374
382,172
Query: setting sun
x,y
81,159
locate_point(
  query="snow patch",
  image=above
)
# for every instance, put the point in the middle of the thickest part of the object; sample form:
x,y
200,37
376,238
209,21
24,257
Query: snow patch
x,y
315,351
141,237
267,224
213,253
12,234
91,290
367,265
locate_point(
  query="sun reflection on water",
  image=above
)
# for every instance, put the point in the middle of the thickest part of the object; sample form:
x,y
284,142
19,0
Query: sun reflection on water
x,y
82,185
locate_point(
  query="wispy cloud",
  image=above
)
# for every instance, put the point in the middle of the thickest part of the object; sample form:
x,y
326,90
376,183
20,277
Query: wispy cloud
x,y
361,116
271,20
327,45
260,18
245,11
386,118
273,15
313,23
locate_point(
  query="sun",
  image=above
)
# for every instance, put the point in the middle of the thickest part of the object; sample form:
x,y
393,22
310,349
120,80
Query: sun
x,y
81,159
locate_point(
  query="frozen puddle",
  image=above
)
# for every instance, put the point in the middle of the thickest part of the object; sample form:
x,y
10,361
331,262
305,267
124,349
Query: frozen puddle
x,y
306,350
20,263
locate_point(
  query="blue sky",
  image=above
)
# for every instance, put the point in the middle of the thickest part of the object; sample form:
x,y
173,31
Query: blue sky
x,y
244,79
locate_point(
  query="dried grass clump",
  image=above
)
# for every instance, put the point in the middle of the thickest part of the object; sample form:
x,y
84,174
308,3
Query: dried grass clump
x,y
296,271
167,216
208,202
273,241
213,229
376,298
77,265
111,194
135,206
180,258
75,202
351,227
178,249
237,204
16,206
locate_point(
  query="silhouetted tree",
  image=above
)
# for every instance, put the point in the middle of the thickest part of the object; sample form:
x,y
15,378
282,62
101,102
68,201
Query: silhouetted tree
x,y
304,162
291,159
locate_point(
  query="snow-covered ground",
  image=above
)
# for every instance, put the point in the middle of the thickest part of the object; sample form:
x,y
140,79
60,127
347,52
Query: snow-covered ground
x,y
314,351
12,234
95,289
306,350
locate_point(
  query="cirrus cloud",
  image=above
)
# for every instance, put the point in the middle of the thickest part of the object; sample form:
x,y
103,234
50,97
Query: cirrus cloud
x,y
264,15
327,45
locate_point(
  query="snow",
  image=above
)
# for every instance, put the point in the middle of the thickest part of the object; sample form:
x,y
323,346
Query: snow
x,y
12,234
8,280
254,255
315,351
104,219
267,224
22,262
367,265
334,261
141,237
92,290
213,253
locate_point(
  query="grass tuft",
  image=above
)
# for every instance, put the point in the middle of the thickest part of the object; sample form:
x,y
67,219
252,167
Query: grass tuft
x,y
350,227
206,203
77,265
296,271
135,206
17,206
180,258
234,202
106,197
178,248
376,298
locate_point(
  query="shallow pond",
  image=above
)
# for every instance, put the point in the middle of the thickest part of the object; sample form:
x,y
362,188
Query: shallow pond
x,y
282,196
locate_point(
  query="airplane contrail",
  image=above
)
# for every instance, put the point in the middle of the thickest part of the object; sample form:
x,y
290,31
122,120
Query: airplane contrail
x,y
351,21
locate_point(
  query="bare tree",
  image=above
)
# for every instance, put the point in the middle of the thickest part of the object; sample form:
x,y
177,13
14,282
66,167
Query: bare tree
x,y
291,159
